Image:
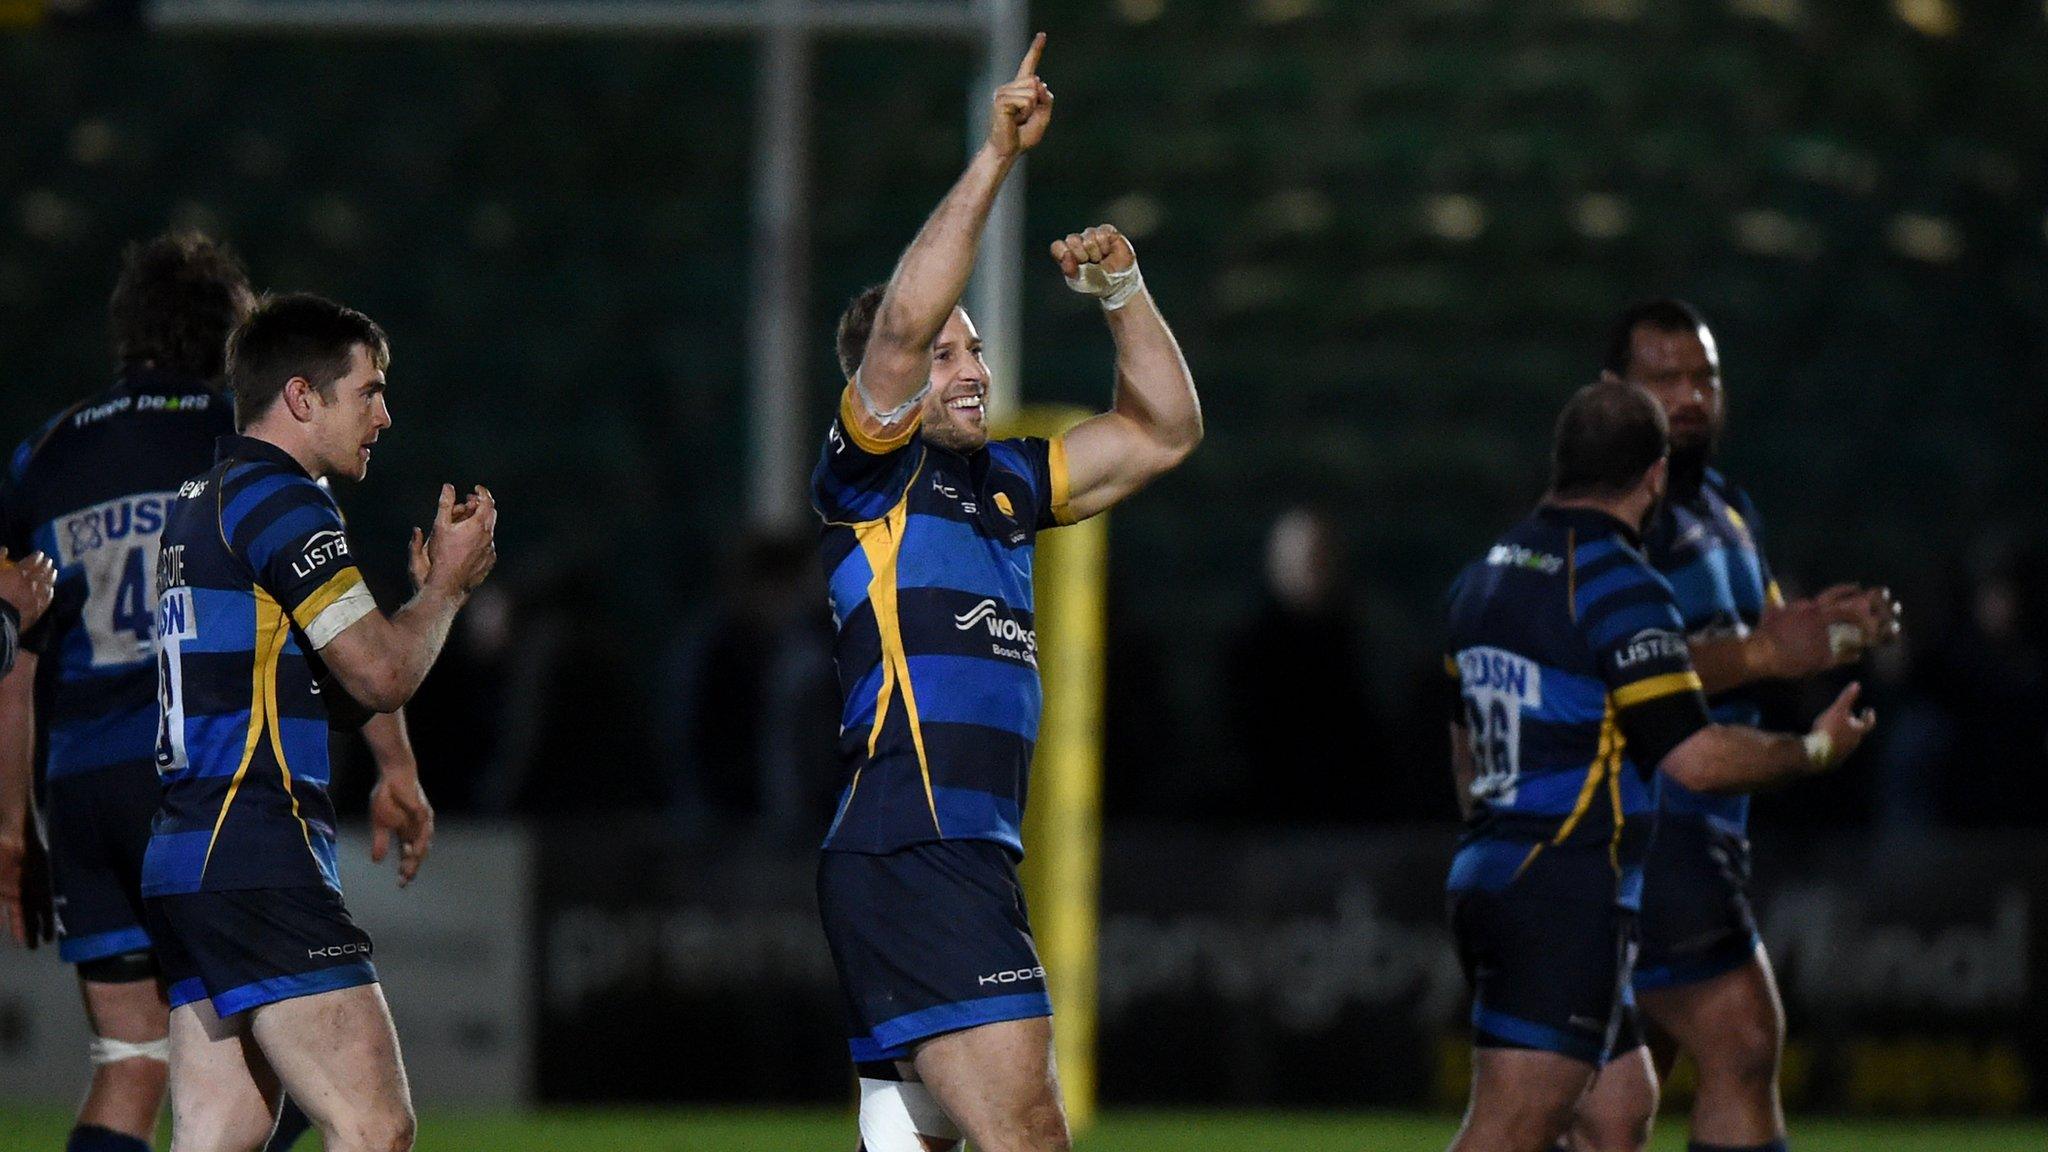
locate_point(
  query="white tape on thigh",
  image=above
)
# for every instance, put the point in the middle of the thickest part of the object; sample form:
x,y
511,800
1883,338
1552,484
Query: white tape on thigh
x,y
105,1051
893,1116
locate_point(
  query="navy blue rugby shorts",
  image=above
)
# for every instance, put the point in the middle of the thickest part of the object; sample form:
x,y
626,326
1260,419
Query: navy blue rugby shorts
x,y
249,947
1697,923
927,940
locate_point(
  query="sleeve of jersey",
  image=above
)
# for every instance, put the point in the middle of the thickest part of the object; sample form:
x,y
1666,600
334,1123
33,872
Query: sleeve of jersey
x,y
1639,643
859,476
1049,475
1746,508
294,542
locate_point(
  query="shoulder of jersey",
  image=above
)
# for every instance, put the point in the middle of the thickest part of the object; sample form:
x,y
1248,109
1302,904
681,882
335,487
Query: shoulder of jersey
x,y
25,453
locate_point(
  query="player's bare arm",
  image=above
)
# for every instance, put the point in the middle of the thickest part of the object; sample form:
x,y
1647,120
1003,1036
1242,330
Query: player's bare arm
x,y
1156,418
27,585
382,660
27,918
1463,770
934,270
398,805
1724,758
1802,638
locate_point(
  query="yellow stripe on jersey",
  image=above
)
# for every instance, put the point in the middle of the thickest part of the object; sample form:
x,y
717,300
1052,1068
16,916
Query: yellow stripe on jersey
x,y
322,597
1614,788
1606,767
284,767
1774,595
1604,760
881,541
1062,481
851,416
1657,687
270,637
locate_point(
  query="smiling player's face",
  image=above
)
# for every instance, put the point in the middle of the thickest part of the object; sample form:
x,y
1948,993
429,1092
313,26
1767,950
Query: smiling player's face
x,y
350,423
955,413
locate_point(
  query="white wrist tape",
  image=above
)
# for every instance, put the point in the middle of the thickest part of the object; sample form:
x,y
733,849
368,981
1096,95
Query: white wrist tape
x,y
894,414
105,1051
1820,750
893,1115
1845,639
1113,289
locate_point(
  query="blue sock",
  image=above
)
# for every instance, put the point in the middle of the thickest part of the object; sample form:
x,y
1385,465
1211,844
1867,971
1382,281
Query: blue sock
x,y
1767,1146
291,1124
93,1138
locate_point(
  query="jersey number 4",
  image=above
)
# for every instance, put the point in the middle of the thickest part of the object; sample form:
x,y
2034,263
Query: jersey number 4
x,y
113,546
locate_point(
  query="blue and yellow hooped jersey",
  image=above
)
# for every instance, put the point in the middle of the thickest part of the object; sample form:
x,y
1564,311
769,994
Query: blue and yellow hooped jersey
x,y
1707,547
254,577
1567,655
90,490
928,559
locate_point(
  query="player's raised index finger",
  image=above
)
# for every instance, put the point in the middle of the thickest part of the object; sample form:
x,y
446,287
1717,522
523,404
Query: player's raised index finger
x,y
1029,67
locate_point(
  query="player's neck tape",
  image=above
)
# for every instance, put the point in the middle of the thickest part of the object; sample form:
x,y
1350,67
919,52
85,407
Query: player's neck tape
x,y
1113,289
105,1051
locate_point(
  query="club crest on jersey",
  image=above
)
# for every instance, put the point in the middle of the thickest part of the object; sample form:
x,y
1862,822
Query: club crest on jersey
x,y
1004,506
325,546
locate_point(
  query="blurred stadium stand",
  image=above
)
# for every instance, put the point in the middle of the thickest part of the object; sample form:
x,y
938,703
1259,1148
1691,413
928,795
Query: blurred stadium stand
x,y
1389,236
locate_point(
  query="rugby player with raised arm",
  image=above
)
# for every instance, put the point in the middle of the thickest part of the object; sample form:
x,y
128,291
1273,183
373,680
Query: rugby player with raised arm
x,y
927,545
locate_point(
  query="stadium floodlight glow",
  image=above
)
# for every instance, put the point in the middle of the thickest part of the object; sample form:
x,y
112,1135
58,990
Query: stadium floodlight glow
x,y
781,440
569,17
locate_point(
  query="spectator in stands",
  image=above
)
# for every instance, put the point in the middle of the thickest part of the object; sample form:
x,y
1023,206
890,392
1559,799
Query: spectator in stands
x,y
1303,724
746,702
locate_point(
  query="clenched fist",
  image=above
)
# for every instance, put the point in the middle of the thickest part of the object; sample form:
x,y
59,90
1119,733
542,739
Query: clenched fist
x,y
1100,262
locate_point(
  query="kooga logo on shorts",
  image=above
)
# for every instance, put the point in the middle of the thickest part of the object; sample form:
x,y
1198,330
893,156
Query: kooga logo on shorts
x,y
333,951
1013,977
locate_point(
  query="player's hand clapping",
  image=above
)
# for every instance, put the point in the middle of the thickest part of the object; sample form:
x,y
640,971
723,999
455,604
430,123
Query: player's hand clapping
x,y
1023,107
1861,618
1837,731
1809,636
462,548
27,584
